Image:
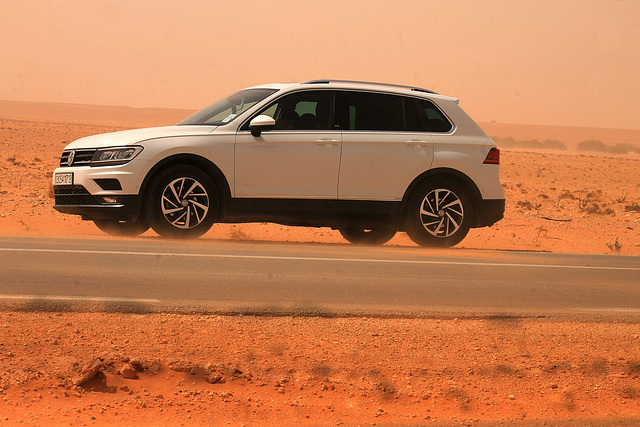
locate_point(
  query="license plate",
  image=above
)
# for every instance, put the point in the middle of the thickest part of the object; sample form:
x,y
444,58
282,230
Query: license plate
x,y
63,178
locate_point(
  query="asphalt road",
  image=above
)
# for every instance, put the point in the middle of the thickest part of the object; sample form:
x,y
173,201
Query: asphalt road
x,y
150,274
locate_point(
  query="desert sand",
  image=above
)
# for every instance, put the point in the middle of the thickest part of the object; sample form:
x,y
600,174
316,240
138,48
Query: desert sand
x,y
162,369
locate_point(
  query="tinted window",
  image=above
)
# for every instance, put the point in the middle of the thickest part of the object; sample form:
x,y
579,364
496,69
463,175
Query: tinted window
x,y
413,119
436,121
372,111
302,111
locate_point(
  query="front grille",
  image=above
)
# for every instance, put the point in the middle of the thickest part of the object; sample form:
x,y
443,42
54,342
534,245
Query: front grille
x,y
80,157
73,195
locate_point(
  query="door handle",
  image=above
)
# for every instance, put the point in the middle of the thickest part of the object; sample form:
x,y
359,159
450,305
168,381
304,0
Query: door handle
x,y
416,142
327,141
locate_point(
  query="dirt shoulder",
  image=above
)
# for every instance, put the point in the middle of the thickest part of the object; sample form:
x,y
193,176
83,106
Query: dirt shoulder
x,y
98,369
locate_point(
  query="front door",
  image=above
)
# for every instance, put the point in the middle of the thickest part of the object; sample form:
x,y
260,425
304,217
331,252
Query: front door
x,y
299,159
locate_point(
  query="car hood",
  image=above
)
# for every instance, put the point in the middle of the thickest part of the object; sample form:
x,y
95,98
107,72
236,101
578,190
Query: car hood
x,y
134,136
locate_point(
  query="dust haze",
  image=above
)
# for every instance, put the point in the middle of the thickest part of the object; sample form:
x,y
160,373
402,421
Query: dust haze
x,y
546,62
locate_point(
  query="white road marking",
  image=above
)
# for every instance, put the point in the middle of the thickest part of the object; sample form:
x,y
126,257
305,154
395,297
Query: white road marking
x,y
324,259
78,298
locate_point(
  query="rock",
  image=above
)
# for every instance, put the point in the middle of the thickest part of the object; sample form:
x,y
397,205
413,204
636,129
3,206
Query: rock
x,y
129,372
214,378
88,371
181,366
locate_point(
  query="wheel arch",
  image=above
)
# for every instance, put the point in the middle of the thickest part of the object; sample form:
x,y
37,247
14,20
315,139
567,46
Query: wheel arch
x,y
448,174
224,191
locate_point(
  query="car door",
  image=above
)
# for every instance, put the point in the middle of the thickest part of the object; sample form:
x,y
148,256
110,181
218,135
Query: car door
x,y
299,158
385,145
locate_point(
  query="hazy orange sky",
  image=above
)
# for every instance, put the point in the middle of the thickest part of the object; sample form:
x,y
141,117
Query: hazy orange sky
x,y
511,61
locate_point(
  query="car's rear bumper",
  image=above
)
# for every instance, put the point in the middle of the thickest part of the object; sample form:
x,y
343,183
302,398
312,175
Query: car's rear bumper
x,y
489,212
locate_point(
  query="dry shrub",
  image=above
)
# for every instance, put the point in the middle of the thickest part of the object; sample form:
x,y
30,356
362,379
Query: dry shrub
x,y
548,144
601,147
567,195
527,205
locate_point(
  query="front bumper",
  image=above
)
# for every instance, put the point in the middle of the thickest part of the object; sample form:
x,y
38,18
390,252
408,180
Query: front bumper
x,y
76,200
106,192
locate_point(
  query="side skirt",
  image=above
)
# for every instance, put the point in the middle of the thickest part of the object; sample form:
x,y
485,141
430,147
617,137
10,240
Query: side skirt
x,y
313,212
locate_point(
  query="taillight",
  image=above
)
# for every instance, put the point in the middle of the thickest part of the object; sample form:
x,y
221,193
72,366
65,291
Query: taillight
x,y
493,158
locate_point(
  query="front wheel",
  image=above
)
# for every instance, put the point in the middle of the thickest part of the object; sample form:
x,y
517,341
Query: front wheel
x,y
182,203
373,236
439,214
114,227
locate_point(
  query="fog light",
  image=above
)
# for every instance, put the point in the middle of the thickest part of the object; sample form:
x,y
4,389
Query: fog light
x,y
110,199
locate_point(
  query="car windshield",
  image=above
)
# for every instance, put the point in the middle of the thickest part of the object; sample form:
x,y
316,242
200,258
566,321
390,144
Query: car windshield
x,y
227,109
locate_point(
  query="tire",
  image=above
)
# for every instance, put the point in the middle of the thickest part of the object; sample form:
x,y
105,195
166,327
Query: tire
x,y
114,227
439,214
182,203
361,236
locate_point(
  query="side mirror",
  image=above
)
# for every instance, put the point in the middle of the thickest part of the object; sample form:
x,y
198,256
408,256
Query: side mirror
x,y
261,124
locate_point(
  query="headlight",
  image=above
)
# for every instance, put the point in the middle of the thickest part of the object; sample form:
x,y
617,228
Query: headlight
x,y
114,156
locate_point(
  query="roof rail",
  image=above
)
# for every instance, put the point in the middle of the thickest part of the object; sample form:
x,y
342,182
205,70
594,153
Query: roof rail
x,y
326,81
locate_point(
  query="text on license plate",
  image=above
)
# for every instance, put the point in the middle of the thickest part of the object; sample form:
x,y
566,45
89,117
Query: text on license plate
x,y
63,178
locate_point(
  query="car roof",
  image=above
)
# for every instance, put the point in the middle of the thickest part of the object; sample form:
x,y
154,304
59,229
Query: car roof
x,y
357,84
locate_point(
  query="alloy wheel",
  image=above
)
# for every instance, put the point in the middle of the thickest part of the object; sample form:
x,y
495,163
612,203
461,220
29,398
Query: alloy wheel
x,y
185,203
441,213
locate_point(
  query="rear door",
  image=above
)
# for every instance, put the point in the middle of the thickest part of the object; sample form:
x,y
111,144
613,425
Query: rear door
x,y
385,145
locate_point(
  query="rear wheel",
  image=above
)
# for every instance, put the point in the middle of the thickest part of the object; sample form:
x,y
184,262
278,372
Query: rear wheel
x,y
439,213
182,203
114,227
362,236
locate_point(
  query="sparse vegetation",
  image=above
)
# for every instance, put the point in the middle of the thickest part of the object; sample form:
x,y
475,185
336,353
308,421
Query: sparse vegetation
x,y
527,205
599,146
634,207
615,246
596,208
566,194
542,232
592,204
548,144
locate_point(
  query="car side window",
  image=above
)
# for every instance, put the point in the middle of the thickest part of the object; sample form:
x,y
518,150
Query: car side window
x,y
413,120
371,111
302,111
384,112
436,121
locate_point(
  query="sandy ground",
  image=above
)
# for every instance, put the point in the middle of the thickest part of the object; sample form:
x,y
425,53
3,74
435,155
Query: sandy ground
x,y
196,370
191,370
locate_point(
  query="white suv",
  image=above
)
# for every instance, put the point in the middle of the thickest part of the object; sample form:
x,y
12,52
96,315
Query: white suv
x,y
367,159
